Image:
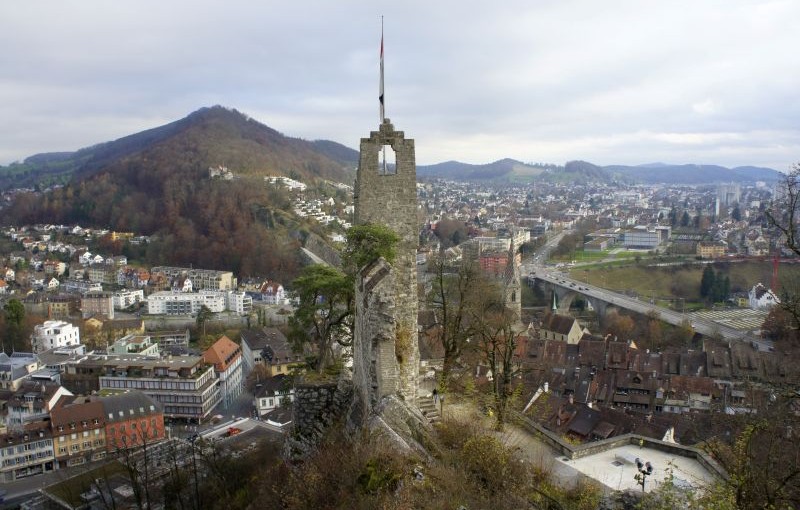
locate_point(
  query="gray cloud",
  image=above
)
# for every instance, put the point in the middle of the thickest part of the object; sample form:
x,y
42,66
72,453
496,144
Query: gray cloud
x,y
610,82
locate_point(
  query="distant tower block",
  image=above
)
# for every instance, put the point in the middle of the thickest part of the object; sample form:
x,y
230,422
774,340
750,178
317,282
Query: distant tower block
x,y
386,364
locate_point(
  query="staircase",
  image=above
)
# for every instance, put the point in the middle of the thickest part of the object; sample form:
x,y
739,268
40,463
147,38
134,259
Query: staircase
x,y
428,409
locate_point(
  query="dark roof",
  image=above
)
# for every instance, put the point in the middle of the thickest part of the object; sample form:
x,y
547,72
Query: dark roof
x,y
558,323
617,355
259,339
603,430
584,421
131,404
79,410
592,353
278,384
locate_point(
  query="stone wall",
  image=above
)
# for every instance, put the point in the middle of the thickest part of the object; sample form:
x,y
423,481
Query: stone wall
x,y
316,407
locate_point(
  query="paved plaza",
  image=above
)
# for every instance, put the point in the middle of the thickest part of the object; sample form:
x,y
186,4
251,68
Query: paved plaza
x,y
616,468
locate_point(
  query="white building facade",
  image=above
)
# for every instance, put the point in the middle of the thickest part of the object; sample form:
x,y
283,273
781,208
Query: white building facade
x,y
238,302
184,303
54,334
125,298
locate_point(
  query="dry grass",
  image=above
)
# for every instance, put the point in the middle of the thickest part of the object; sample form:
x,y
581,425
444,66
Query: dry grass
x,y
683,281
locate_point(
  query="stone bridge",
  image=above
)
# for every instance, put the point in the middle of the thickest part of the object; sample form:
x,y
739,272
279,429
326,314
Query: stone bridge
x,y
602,300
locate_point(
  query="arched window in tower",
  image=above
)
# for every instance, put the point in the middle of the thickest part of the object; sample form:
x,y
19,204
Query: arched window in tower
x,y
387,164
514,296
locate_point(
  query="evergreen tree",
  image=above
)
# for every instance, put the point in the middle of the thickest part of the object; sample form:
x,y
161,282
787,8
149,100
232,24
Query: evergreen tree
x,y
685,219
736,214
707,281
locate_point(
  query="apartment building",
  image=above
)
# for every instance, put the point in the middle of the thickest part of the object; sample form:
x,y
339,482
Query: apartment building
x,y
202,279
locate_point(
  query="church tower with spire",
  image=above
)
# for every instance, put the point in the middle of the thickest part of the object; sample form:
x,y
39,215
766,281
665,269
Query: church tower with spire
x,y
512,286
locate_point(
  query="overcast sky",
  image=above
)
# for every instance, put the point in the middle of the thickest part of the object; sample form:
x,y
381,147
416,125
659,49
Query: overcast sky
x,y
628,82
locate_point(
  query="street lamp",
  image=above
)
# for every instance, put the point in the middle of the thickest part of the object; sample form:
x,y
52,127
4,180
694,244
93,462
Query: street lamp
x,y
645,469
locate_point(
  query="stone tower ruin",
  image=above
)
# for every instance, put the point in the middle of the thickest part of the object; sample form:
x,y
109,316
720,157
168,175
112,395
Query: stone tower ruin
x,y
385,348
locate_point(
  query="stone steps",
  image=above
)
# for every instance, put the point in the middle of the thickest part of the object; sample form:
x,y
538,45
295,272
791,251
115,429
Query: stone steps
x,y
428,409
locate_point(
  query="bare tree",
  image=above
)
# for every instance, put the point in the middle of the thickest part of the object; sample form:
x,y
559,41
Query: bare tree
x,y
495,329
451,298
784,215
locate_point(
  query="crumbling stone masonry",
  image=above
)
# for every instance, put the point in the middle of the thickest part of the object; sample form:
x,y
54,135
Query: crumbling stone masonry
x,y
385,349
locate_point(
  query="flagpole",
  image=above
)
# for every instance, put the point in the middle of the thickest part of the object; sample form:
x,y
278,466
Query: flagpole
x,y
381,98
381,93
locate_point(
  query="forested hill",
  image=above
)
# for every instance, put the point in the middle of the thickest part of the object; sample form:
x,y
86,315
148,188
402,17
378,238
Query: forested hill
x,y
208,137
157,183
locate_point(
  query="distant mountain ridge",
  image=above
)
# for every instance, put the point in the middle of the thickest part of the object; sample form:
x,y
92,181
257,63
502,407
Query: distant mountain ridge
x,y
582,172
217,135
207,137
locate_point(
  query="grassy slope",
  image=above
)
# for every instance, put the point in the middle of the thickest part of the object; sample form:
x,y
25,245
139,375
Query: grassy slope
x,y
668,282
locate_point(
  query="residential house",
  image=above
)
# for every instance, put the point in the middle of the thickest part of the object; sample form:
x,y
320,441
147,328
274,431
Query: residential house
x,y
97,304
238,302
26,451
226,356
176,338
711,249
78,429
688,394
762,298
134,344
270,347
272,393
124,298
561,327
635,390
53,334
273,293
76,285
16,368
51,285
61,306
33,401
54,267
